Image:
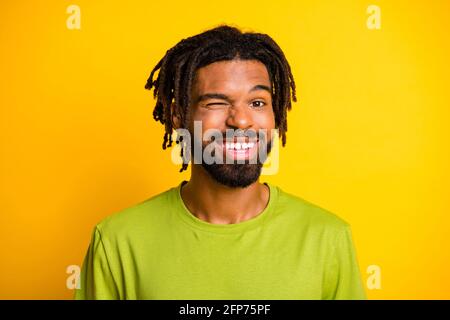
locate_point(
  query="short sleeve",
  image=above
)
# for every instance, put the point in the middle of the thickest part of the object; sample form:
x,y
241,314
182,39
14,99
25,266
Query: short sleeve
x,y
96,279
343,280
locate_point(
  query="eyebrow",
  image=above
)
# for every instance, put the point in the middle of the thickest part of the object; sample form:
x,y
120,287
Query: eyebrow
x,y
222,96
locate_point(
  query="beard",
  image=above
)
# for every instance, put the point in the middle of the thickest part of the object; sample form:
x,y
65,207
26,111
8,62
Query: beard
x,y
237,175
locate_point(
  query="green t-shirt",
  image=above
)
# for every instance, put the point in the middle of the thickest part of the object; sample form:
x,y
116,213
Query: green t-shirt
x,y
157,249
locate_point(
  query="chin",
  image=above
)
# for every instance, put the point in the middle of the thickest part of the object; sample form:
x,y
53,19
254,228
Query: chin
x,y
234,175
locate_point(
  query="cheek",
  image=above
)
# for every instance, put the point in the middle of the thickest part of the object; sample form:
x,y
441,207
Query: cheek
x,y
265,120
210,119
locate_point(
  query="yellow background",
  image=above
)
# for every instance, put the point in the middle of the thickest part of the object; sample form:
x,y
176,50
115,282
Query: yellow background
x,y
367,140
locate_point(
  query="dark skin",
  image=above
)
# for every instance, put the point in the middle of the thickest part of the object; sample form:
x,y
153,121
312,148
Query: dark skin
x,y
244,103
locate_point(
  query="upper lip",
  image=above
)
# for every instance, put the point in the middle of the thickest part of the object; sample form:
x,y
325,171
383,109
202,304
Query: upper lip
x,y
240,140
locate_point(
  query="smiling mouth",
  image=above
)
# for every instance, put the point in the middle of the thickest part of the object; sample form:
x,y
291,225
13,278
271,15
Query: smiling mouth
x,y
240,145
240,149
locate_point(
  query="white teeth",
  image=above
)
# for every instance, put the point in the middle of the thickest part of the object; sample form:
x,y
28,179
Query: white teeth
x,y
239,145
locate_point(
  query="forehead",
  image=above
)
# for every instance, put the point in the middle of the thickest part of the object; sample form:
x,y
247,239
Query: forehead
x,y
229,76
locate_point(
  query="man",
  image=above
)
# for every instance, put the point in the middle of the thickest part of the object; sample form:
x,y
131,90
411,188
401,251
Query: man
x,y
222,234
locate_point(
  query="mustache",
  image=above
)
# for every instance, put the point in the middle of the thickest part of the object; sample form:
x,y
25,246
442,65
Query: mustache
x,y
238,133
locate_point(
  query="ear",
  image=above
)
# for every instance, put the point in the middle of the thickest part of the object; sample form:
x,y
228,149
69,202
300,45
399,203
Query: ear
x,y
176,122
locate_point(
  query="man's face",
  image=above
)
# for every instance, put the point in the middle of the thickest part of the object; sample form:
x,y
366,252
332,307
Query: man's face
x,y
234,95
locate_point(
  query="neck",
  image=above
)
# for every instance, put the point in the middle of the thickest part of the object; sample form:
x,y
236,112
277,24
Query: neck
x,y
216,203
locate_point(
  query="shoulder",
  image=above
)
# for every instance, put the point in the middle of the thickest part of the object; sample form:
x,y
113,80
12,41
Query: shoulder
x,y
139,218
301,211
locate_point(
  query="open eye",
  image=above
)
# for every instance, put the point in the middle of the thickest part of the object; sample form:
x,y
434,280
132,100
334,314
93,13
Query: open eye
x,y
258,103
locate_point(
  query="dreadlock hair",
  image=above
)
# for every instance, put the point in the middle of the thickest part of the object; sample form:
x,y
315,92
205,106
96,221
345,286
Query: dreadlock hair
x,y
172,87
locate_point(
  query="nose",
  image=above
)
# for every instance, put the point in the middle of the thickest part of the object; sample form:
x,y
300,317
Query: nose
x,y
239,117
